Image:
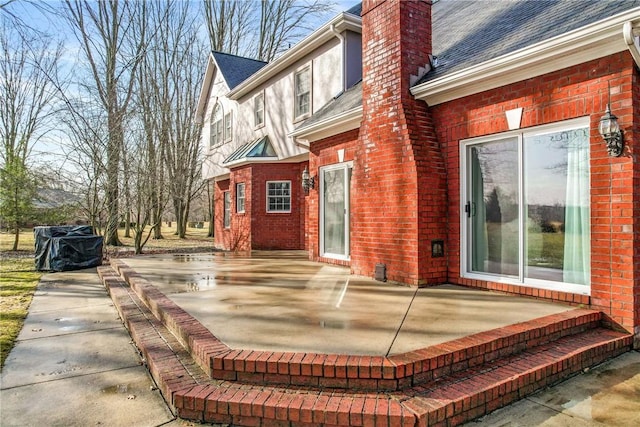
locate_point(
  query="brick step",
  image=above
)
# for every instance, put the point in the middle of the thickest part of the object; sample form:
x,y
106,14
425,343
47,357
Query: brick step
x,y
371,373
447,400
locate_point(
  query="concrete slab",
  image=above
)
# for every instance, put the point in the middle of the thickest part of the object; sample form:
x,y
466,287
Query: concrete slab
x,y
74,363
608,395
281,301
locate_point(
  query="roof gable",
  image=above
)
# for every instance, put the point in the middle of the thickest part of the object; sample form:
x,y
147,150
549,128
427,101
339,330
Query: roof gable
x,y
236,69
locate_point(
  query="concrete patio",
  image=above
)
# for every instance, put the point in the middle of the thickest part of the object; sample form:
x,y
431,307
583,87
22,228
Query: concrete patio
x,y
271,339
281,301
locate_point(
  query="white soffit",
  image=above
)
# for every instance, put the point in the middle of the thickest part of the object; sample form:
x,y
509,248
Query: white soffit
x,y
575,47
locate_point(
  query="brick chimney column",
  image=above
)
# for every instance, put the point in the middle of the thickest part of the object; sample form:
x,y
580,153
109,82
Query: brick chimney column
x,y
398,202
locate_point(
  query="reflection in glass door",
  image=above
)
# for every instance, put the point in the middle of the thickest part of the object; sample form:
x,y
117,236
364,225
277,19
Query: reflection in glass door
x,y
334,211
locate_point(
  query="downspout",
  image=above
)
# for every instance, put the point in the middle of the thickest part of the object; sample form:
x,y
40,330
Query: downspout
x,y
631,40
343,72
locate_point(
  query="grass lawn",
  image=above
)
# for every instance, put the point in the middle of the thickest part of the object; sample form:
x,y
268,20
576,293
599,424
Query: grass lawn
x,y
18,281
18,278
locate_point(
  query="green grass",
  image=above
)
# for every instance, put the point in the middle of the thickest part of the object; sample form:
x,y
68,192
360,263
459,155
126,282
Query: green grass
x,y
18,281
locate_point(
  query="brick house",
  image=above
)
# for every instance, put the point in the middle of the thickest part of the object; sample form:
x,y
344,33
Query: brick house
x,y
458,142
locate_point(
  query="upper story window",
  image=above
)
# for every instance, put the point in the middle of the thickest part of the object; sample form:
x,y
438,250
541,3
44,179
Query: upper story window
x,y
216,129
258,109
302,83
228,126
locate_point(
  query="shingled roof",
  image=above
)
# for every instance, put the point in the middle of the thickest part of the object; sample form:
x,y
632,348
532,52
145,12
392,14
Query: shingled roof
x,y
467,32
236,69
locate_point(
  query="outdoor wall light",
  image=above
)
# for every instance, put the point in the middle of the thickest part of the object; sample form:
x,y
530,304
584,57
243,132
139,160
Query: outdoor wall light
x,y
611,133
308,181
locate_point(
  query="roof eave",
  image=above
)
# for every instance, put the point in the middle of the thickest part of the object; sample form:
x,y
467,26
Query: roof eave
x,y
342,22
593,41
205,89
334,125
249,160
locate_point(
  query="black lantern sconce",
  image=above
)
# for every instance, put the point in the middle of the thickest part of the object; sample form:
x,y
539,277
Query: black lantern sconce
x,y
610,131
308,181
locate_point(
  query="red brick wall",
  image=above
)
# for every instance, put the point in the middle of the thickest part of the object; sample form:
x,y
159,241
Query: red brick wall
x,y
615,182
277,230
323,153
399,181
256,229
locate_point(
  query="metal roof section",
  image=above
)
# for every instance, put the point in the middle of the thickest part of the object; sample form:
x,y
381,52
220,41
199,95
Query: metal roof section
x,y
342,113
236,69
483,45
259,150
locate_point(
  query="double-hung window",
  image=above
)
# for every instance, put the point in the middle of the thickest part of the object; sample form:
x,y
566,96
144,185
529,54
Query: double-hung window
x,y
302,82
228,126
240,197
227,210
216,130
258,109
278,196
525,207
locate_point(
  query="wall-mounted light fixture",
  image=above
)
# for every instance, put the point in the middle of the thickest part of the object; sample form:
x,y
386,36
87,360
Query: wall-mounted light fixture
x,y
308,181
610,131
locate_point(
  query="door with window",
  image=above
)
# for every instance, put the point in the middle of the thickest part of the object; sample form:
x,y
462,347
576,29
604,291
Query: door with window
x,y
526,215
334,210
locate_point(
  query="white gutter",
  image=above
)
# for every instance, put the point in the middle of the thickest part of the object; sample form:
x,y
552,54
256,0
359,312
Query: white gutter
x,y
334,125
342,22
632,41
575,47
343,73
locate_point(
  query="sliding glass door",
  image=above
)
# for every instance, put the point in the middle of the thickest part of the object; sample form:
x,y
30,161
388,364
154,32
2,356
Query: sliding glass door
x,y
526,215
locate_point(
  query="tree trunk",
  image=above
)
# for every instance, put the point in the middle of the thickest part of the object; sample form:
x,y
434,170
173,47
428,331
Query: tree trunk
x,y
16,239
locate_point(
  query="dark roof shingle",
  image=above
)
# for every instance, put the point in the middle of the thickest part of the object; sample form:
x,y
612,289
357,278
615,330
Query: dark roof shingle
x,y
236,69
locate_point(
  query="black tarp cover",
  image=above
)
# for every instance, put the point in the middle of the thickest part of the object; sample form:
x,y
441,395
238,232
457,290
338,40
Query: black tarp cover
x,y
63,248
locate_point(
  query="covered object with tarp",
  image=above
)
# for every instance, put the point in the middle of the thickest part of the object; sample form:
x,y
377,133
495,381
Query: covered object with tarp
x,y
62,248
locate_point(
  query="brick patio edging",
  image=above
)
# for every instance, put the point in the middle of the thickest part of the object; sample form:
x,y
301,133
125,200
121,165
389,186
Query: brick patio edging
x,y
445,401
369,373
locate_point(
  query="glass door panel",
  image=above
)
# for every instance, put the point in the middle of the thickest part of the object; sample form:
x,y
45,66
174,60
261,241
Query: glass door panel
x,y
493,209
335,206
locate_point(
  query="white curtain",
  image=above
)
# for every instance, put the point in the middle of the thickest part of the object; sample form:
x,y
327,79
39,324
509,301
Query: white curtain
x,y
577,238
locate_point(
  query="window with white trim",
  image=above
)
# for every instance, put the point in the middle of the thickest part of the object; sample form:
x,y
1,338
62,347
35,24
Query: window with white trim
x,y
278,196
227,209
526,208
240,197
228,126
216,130
258,109
302,86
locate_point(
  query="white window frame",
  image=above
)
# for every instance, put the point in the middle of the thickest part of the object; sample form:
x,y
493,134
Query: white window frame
x,y
465,238
268,196
216,129
240,197
226,216
258,110
297,114
228,126
347,166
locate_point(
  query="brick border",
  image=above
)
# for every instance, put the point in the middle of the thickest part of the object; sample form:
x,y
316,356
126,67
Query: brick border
x,y
448,400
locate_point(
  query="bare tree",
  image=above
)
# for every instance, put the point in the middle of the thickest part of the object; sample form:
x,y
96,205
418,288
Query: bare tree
x,y
26,105
283,22
227,23
263,29
113,49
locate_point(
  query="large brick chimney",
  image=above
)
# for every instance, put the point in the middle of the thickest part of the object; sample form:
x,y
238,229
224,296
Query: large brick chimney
x,y
399,189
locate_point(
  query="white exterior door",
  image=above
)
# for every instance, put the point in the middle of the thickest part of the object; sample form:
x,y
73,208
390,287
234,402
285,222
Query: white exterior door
x,y
334,210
